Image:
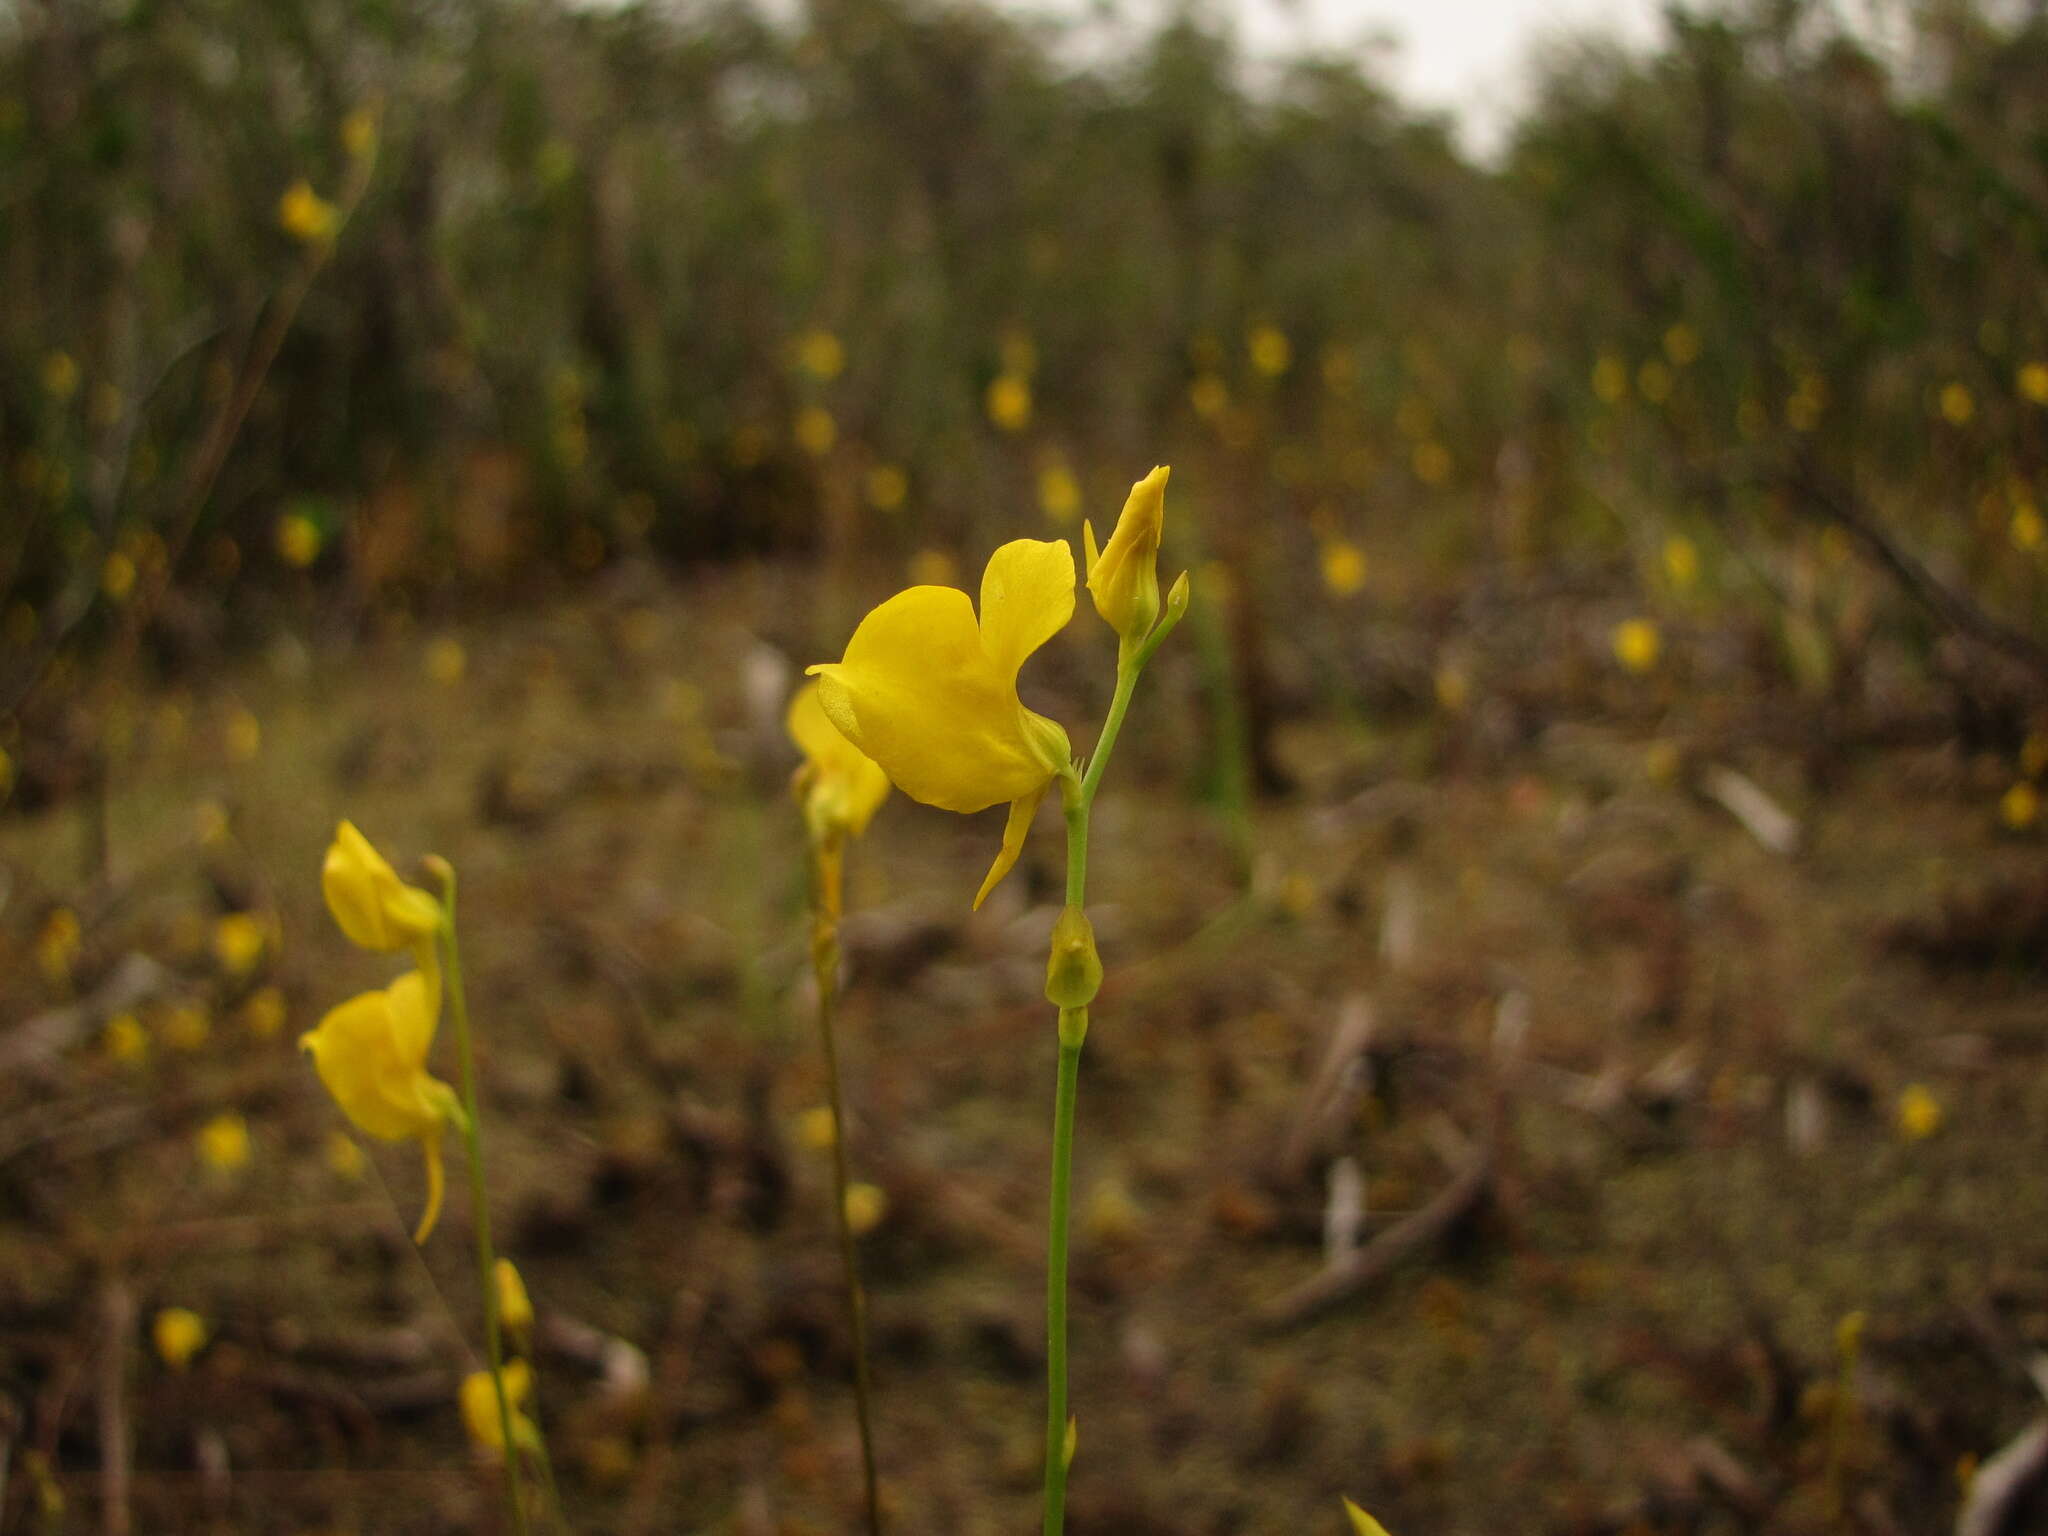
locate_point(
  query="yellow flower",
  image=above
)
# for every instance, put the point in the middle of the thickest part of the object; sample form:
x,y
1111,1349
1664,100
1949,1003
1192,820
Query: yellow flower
x,y
359,131
820,354
1957,404
1343,564
238,939
867,1205
305,215
125,1039
839,786
2033,382
515,1307
1059,495
2020,806
1123,577
887,486
1682,345
446,661
298,540
816,431
2028,530
117,577
263,1014
187,1028
57,945
817,1129
244,736
60,376
1610,379
1363,1524
371,1052
224,1143
1271,353
179,1334
931,695
1919,1113
1636,645
1009,402
480,1409
1209,396
345,1158
1681,562
374,907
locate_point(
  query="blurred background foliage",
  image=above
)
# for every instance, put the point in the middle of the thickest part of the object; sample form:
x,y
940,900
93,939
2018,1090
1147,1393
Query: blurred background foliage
x,y
563,284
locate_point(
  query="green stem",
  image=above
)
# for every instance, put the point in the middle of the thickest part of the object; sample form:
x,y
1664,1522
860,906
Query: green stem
x,y
473,1141
1073,1028
825,966
1127,670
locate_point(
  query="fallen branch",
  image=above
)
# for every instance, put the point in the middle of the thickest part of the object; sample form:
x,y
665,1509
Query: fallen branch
x,y
1425,1228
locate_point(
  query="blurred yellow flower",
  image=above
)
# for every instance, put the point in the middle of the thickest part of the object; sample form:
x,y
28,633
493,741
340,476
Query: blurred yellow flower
x,y
446,660
1637,645
305,215
838,785
1610,379
60,376
1344,567
816,1129
1431,461
371,1052
224,1143
479,1401
1662,762
1682,345
345,1157
187,1028
1808,399
1653,381
1919,1113
1123,577
298,540
1681,562
210,823
238,940
515,1307
1059,494
244,736
117,577
179,1334
57,945
816,431
1112,1215
1209,396
1453,688
2033,382
359,131
2020,807
1958,406
371,905
1271,352
888,485
932,568
2028,530
125,1040
1009,402
263,1014
931,694
820,354
867,1206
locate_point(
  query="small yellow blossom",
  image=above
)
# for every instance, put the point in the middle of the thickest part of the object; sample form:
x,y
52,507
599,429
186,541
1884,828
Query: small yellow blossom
x,y
1682,345
345,1159
359,132
117,576
1432,463
888,486
1637,645
1653,381
1344,567
816,1128
1059,494
244,737
1681,562
1123,577
1363,1524
515,1307
2033,381
2020,807
1919,1113
1958,405
238,940
1009,402
1453,688
1610,379
867,1206
60,376
820,354
480,1409
1112,1215
372,906
838,785
1209,396
187,1028
298,540
179,1334
57,945
1849,1332
305,215
224,1143
2028,529
371,1052
263,1014
125,1040
446,661
210,823
816,431
932,568
1271,352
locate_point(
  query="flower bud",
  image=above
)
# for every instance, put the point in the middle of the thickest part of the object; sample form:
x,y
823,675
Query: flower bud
x,y
1073,972
1124,576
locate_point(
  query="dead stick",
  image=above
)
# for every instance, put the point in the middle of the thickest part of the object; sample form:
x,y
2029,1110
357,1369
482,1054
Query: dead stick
x,y
117,1317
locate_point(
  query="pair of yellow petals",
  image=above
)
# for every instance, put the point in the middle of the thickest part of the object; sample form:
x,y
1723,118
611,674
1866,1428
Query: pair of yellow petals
x,y
926,694
371,1051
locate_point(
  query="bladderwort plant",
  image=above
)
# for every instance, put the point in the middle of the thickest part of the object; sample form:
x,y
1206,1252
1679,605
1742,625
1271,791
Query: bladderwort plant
x,y
839,790
928,690
371,1053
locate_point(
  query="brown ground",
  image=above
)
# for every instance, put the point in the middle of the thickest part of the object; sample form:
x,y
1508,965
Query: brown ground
x,y
1698,1163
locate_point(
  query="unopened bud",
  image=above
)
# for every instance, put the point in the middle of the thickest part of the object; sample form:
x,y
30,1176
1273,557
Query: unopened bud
x,y
1073,973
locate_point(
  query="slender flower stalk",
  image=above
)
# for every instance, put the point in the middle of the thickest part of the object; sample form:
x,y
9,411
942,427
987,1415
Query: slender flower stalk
x,y
473,1145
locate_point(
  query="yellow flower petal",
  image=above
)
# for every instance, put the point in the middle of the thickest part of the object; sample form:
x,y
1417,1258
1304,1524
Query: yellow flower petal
x,y
1362,1523
1124,578
918,692
179,1333
840,785
480,1408
371,1053
371,904
1022,813
1027,596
